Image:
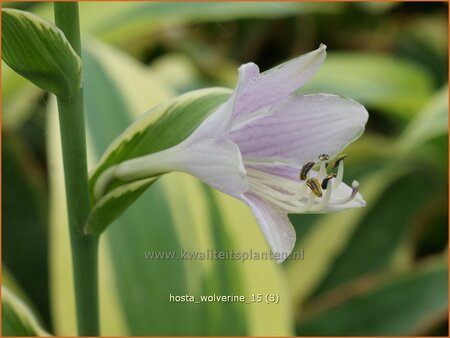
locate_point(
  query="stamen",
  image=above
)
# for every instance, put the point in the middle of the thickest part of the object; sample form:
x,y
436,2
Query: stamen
x,y
324,157
314,185
322,171
326,180
305,169
271,179
326,198
338,160
339,175
307,194
293,196
312,197
289,207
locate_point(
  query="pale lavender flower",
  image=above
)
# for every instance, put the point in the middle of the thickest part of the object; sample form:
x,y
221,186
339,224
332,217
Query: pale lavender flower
x,y
255,146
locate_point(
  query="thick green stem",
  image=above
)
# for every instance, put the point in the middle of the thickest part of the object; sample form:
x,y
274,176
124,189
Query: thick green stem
x,y
73,139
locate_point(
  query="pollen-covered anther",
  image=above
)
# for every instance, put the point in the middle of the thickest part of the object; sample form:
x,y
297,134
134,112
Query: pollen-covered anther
x,y
339,171
338,160
325,200
326,179
324,157
305,170
314,185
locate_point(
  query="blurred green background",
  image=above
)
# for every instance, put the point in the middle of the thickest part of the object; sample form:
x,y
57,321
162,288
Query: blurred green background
x,y
380,270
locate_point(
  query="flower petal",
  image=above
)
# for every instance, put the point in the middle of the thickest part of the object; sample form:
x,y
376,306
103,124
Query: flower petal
x,y
217,124
275,225
300,128
221,121
255,91
218,163
215,161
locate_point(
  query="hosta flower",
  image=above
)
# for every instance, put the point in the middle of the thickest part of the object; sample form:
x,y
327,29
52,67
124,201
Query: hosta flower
x,y
269,147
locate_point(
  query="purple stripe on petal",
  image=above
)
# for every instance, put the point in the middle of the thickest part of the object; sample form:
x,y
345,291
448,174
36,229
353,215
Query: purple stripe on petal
x,y
300,128
281,170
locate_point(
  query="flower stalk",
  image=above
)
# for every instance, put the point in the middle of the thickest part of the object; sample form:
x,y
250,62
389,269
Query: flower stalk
x,y
73,138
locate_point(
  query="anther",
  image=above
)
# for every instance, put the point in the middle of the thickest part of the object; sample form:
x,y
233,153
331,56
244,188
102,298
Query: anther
x,y
325,199
324,157
314,185
326,179
305,169
338,160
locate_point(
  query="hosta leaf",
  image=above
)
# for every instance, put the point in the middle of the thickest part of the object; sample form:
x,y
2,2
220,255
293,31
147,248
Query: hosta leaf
x,y
387,225
377,7
384,308
430,123
19,97
121,20
24,234
377,81
426,137
164,126
17,318
141,18
39,51
111,206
